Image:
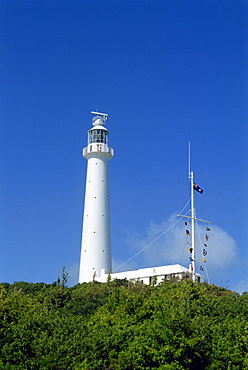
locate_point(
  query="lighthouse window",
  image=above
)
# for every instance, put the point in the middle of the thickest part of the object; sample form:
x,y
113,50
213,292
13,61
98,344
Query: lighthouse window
x,y
98,136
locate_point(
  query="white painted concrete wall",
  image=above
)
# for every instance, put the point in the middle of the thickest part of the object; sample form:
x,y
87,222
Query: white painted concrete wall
x,y
147,274
96,244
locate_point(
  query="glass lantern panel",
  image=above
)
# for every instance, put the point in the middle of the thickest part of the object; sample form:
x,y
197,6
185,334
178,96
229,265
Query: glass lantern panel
x,y
98,136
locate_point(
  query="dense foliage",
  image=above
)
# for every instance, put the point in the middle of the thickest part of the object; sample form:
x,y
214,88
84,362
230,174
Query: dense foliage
x,y
122,326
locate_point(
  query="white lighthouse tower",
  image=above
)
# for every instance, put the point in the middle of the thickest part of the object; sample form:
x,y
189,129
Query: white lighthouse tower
x,y
96,247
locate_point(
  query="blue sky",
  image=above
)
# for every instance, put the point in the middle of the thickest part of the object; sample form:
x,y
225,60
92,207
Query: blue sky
x,y
166,72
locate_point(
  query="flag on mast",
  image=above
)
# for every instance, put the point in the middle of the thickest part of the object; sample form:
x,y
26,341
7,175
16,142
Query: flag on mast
x,y
197,188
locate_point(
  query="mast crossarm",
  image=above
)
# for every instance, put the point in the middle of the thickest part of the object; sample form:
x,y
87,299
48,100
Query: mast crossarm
x,y
193,218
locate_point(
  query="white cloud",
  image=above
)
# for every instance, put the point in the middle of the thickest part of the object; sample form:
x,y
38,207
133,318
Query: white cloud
x,y
241,286
120,265
164,244
73,271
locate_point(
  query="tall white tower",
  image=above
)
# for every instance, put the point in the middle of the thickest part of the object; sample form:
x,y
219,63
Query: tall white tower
x,y
96,247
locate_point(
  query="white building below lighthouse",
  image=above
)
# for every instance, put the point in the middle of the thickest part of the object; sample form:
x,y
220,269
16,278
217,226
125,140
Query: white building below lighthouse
x,y
96,245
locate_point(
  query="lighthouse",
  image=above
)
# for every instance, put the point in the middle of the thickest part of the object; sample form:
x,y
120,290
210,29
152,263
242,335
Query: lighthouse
x,y
96,246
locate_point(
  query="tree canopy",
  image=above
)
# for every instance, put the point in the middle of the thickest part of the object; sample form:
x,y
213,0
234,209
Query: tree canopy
x,y
119,325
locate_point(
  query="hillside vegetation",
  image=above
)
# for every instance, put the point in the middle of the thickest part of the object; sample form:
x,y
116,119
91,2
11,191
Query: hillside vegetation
x,y
122,326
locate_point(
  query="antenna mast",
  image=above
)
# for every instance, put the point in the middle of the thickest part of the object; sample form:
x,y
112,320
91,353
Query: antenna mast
x,y
192,217
189,160
191,177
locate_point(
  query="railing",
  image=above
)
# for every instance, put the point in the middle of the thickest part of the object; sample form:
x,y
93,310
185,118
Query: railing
x,y
97,147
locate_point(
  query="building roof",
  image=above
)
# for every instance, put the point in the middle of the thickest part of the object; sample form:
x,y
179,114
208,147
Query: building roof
x,y
147,272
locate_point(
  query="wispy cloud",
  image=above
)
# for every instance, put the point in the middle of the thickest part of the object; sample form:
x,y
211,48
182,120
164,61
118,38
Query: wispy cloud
x,y
73,271
167,243
242,286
